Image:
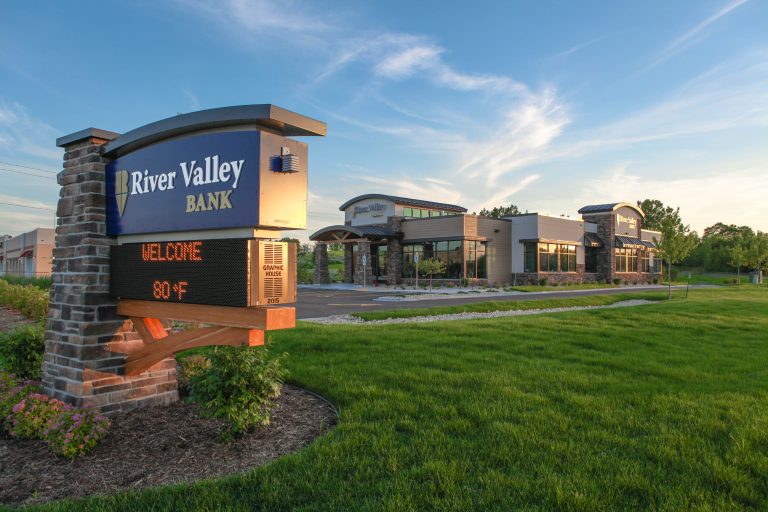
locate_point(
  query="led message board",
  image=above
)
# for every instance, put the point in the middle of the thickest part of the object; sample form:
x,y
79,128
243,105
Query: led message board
x,y
229,272
220,180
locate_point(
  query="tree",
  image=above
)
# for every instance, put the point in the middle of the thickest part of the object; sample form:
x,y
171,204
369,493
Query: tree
x,y
738,257
677,241
500,211
757,253
655,213
430,267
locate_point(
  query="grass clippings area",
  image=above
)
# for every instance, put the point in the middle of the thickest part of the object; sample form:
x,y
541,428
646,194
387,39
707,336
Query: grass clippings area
x,y
507,305
663,407
158,446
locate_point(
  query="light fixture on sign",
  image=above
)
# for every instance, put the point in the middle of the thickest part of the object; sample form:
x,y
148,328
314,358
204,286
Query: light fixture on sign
x,y
290,163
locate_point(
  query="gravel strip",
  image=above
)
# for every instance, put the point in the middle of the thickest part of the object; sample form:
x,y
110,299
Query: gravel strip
x,y
349,319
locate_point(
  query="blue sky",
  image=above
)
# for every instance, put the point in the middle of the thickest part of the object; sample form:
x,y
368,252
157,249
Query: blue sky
x,y
548,105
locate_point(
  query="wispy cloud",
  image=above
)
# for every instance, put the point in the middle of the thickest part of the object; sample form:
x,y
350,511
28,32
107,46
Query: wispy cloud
x,y
15,220
575,48
693,35
22,134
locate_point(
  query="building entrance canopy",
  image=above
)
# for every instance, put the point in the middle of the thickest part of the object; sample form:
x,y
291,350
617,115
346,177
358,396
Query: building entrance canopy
x,y
350,234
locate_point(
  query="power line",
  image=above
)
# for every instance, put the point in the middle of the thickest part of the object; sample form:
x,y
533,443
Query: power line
x,y
27,206
27,174
28,167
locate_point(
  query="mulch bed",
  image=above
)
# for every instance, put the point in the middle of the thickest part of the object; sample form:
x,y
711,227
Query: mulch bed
x,y
155,446
159,446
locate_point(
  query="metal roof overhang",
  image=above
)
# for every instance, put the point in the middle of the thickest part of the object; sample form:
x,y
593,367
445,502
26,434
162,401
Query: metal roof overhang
x,y
26,253
592,240
352,234
548,241
630,242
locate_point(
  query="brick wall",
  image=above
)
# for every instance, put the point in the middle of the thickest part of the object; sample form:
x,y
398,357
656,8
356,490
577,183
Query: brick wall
x,y
86,342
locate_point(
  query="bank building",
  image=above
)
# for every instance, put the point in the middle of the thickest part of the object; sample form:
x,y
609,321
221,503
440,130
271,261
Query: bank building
x,y
606,243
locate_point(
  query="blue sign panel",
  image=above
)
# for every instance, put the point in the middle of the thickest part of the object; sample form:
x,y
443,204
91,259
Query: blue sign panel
x,y
208,181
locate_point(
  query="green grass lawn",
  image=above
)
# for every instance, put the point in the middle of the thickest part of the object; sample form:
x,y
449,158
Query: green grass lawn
x,y
660,407
549,288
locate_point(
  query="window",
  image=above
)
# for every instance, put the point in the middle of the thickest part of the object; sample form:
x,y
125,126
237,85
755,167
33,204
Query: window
x,y
529,257
657,266
645,261
590,259
450,252
408,212
557,258
625,260
476,260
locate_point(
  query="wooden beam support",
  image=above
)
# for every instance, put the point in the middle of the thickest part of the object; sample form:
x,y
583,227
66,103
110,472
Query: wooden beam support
x,y
265,319
155,350
233,326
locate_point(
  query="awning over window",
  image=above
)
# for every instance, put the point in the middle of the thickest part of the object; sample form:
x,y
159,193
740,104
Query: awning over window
x,y
26,254
592,240
629,242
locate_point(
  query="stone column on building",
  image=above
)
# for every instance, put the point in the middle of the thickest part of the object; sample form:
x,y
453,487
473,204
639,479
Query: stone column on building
x,y
394,252
349,270
363,247
322,275
606,230
85,341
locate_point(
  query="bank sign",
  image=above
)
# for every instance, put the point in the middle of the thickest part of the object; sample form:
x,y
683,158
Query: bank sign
x,y
212,181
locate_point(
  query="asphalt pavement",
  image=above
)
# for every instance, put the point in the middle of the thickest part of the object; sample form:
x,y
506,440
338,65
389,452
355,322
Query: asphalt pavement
x,y
316,303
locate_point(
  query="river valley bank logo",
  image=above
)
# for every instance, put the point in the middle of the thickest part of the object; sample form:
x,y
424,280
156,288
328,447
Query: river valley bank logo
x,y
211,171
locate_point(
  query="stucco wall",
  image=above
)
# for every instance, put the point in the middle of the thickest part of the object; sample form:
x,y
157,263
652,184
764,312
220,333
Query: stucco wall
x,y
372,216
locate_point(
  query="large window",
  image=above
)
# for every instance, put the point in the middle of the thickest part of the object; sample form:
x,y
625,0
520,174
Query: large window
x,y
476,260
450,252
556,258
626,260
657,266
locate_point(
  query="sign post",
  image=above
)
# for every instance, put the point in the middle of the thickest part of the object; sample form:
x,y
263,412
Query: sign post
x,y
416,259
365,265
173,220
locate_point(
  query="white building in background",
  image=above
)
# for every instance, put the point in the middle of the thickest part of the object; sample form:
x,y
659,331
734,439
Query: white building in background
x,y
27,255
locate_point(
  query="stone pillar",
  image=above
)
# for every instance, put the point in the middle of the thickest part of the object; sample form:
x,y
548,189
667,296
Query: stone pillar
x,y
322,275
85,341
349,271
606,230
395,252
363,247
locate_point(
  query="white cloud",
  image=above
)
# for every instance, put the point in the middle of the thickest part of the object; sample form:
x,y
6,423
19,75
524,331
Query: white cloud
x,y
693,35
21,134
733,197
15,219
404,63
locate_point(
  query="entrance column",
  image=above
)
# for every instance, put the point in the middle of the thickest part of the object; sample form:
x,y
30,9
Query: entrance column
x,y
349,271
363,247
322,275
86,343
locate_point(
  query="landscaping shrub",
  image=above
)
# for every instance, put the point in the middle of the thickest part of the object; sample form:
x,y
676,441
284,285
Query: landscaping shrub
x,y
44,283
29,418
22,350
543,281
655,280
29,299
616,280
191,367
12,391
75,432
240,387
